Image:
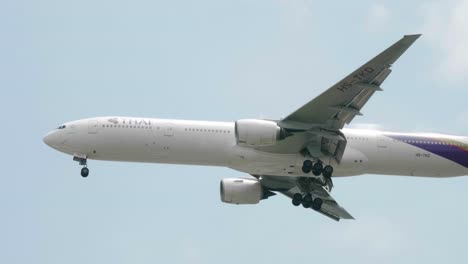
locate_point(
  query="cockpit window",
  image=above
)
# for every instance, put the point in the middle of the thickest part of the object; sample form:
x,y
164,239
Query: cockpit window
x,y
61,127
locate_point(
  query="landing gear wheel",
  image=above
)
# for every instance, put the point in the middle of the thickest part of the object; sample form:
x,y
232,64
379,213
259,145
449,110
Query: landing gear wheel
x,y
317,204
297,199
307,166
317,169
327,171
307,163
84,172
307,201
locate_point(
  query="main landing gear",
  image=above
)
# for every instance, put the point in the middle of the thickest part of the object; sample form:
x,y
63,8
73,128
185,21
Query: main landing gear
x,y
307,201
83,162
318,169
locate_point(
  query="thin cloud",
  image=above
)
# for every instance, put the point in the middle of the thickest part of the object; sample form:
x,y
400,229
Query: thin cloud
x,y
446,27
298,12
378,16
372,237
462,119
455,42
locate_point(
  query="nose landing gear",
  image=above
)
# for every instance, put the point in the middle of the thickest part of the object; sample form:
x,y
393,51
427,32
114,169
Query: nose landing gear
x,y
84,172
83,162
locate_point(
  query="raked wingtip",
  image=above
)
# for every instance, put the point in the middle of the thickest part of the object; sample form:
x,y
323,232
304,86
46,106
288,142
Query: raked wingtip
x,y
415,36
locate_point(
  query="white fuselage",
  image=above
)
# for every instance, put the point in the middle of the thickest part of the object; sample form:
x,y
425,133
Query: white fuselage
x,y
214,144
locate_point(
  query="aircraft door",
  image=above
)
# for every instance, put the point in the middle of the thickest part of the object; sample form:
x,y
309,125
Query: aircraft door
x,y
92,126
162,140
168,130
383,143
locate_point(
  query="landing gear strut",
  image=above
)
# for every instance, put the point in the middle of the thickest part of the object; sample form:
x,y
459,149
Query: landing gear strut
x,y
327,174
83,162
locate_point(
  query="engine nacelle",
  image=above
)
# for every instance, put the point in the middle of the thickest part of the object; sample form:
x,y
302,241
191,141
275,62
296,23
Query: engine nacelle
x,y
256,132
241,191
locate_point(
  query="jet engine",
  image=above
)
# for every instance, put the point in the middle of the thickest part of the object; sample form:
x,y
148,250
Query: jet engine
x,y
257,133
241,191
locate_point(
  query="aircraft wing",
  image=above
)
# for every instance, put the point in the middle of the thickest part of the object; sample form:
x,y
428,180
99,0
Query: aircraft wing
x,y
324,116
314,129
339,104
291,185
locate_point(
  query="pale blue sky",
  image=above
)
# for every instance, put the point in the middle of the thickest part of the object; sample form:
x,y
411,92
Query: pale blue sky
x,y
220,60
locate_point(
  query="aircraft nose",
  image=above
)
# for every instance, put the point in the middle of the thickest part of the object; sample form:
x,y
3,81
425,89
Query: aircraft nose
x,y
51,139
48,139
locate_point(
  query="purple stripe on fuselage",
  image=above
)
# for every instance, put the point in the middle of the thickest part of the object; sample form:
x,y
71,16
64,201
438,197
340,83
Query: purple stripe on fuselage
x,y
442,147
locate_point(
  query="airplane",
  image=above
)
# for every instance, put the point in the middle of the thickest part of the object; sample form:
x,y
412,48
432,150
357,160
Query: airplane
x,y
297,156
